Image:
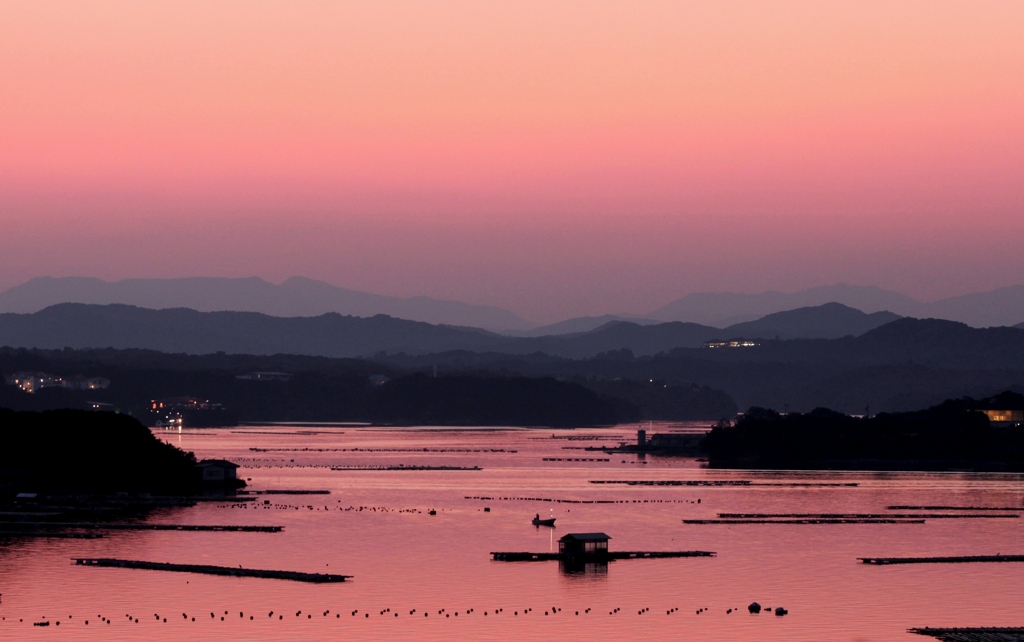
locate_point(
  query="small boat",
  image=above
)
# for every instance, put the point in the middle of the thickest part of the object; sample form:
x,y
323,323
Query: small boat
x,y
537,521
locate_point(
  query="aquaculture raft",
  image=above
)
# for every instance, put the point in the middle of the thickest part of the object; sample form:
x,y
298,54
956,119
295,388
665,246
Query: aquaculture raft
x,y
883,561
155,527
816,520
316,578
614,555
979,634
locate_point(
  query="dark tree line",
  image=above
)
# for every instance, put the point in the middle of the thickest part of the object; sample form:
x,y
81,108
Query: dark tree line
x,y
951,435
84,451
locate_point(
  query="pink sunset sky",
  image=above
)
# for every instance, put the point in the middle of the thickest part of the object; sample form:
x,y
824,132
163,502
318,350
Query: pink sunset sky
x,y
554,158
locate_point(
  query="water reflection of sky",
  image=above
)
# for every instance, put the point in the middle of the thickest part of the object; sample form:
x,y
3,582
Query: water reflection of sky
x,y
404,559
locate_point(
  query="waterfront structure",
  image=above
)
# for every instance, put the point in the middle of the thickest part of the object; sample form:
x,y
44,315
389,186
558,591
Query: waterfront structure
x,y
676,441
665,443
217,470
583,545
183,403
178,412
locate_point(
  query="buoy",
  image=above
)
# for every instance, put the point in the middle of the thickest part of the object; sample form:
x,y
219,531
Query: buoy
x,y
754,607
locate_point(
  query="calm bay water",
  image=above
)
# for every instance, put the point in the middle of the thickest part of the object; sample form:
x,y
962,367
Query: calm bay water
x,y
404,559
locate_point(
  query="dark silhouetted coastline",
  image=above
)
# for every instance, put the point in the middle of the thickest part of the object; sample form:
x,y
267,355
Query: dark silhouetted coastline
x,y
954,435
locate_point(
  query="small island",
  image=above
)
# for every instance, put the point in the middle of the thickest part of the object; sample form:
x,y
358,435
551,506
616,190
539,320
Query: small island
x,y
77,452
958,434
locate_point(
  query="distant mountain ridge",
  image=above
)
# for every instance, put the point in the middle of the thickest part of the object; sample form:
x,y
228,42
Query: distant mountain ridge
x,y
577,325
905,363
295,297
303,297
78,325
828,321
1000,307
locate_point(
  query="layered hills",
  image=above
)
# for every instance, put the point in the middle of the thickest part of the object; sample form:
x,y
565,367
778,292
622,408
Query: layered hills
x,y
903,365
77,325
1000,307
303,297
829,355
294,297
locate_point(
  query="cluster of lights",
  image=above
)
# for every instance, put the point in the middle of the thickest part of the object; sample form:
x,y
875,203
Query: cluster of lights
x,y
738,343
32,381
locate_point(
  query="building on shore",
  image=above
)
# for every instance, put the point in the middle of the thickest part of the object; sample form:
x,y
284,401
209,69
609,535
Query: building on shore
x,y
265,376
732,343
217,470
1005,416
188,412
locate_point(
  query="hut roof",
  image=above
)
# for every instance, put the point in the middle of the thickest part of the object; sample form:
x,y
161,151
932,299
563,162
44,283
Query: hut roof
x,y
584,537
221,463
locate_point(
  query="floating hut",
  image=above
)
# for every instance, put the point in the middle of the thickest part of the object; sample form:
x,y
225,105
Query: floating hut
x,y
576,548
583,545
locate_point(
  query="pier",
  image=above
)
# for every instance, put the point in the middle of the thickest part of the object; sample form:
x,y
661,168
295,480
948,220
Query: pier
x,y
316,578
966,559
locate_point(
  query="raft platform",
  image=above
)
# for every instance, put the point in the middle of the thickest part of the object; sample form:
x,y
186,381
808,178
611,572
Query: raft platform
x,y
966,559
973,634
814,520
961,508
615,555
868,516
100,526
316,578
48,534
274,491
